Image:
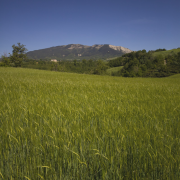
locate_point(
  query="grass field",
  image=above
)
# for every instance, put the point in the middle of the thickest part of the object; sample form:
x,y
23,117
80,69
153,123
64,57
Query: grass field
x,y
73,126
113,70
168,52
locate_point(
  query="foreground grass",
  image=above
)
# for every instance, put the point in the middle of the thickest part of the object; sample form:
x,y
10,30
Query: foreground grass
x,y
72,126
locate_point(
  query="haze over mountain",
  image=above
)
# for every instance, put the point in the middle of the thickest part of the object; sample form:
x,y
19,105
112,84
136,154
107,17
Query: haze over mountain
x,y
78,51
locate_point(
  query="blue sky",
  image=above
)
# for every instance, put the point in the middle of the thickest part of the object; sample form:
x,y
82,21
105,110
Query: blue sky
x,y
134,24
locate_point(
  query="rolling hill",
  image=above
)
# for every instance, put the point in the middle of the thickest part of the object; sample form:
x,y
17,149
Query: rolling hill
x,y
167,52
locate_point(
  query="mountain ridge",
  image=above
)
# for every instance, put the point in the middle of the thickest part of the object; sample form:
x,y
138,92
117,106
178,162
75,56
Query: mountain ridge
x,y
79,51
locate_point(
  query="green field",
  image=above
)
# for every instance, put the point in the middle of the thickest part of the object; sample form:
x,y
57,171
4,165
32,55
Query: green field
x,y
113,70
73,126
168,52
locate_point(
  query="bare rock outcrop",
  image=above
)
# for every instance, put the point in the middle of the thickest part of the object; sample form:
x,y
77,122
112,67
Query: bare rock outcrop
x,y
120,48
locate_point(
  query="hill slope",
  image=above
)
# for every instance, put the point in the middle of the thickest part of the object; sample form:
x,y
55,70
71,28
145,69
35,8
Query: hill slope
x,y
78,51
165,53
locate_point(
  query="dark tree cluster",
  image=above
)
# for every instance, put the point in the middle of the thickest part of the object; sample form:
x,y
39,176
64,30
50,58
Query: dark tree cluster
x,y
116,62
157,50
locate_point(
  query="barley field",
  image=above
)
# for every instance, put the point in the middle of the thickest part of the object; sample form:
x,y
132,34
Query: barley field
x,y
63,126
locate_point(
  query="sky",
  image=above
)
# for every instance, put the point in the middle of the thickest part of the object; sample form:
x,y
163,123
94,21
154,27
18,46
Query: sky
x,y
133,24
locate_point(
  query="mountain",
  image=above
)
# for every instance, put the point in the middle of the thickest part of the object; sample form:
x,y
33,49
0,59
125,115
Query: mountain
x,y
78,51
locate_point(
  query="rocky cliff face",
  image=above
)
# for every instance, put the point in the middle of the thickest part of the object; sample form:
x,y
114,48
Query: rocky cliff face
x,y
79,51
120,48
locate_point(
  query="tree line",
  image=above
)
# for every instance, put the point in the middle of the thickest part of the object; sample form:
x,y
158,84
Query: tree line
x,y
98,67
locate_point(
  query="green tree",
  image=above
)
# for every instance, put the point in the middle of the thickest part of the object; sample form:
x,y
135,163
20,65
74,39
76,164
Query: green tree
x,y
84,62
5,60
54,66
75,62
18,54
101,67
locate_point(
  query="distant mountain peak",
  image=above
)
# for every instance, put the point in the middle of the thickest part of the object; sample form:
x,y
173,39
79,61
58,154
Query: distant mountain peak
x,y
78,46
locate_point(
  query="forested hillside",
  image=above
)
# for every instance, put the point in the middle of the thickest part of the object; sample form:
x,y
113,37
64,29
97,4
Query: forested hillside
x,y
157,63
